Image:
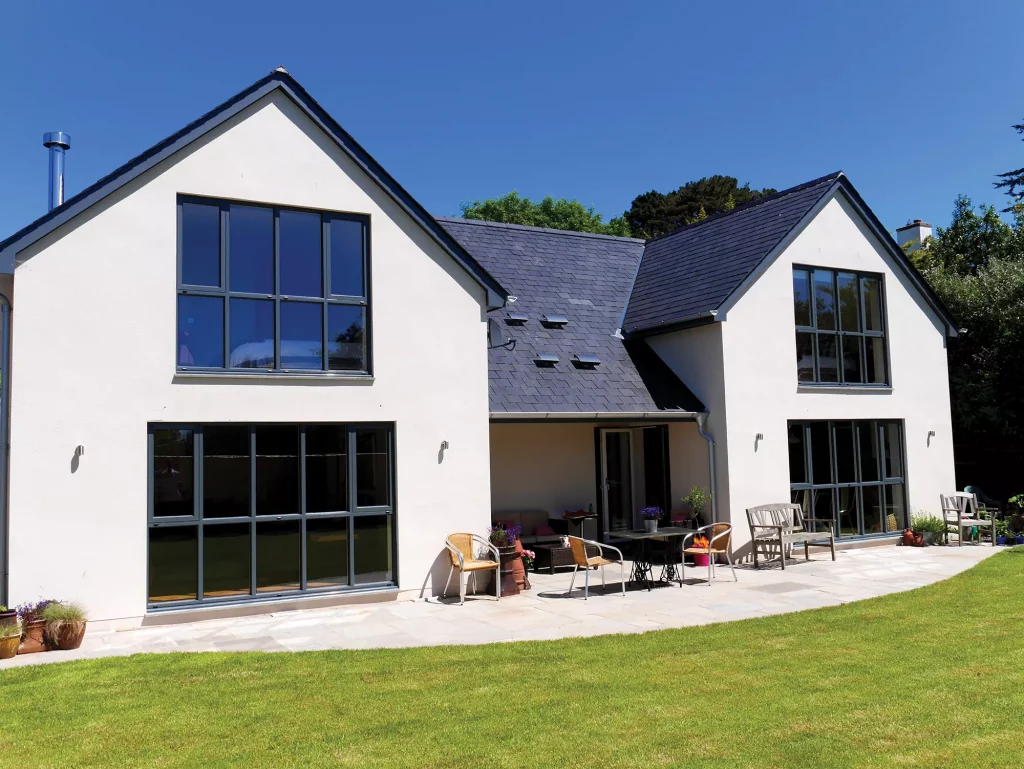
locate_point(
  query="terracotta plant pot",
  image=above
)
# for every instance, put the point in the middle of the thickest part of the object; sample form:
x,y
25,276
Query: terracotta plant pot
x,y
68,636
519,569
8,616
507,578
9,647
908,537
918,539
32,637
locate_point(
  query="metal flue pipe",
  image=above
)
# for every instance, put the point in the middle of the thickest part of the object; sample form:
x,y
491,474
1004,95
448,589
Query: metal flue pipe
x,y
58,143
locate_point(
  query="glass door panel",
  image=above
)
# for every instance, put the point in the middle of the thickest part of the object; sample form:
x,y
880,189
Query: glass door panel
x,y
618,479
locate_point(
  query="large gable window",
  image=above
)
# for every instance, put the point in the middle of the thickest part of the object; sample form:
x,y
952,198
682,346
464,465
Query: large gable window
x,y
267,289
840,327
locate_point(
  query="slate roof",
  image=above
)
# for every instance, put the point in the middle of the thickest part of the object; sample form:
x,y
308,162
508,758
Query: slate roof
x,y
690,271
586,278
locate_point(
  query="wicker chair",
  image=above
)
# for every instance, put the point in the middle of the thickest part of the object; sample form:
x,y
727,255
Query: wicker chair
x,y
588,562
460,550
719,537
960,511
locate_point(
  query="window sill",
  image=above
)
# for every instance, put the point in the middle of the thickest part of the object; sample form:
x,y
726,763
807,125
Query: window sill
x,y
817,387
276,376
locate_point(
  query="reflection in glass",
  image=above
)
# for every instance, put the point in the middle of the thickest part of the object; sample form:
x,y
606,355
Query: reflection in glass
x,y
347,257
326,552
173,564
252,333
848,515
302,345
892,449
252,249
895,508
173,471
201,331
372,548
823,510
797,453
867,433
346,337
824,300
226,555
872,510
373,479
828,358
875,360
821,453
225,471
802,297
326,468
872,303
300,254
804,356
277,469
200,245
849,302
851,359
278,556
846,464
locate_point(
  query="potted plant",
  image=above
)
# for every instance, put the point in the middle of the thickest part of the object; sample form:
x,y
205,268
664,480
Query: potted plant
x,y
1016,521
505,540
651,516
1003,536
7,614
33,627
10,638
701,542
697,501
928,528
65,624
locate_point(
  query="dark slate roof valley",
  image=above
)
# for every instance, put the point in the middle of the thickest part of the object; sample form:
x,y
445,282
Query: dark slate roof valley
x,y
586,278
690,271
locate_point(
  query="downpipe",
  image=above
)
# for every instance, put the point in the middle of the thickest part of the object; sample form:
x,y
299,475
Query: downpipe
x,y
701,420
6,312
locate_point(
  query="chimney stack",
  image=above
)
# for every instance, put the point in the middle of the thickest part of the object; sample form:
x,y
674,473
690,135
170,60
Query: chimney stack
x,y
58,143
915,233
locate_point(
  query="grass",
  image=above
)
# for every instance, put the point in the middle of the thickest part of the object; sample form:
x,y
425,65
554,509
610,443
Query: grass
x,y
928,678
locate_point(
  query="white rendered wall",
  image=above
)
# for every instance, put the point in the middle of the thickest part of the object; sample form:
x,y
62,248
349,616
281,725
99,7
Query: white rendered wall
x,y
93,363
761,376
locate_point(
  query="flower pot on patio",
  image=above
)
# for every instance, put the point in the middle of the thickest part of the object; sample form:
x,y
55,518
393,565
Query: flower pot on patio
x,y
32,639
9,646
68,635
507,556
651,524
519,570
908,537
701,560
919,539
1004,540
8,615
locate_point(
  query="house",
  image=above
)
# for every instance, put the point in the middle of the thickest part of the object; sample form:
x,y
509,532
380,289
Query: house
x,y
248,367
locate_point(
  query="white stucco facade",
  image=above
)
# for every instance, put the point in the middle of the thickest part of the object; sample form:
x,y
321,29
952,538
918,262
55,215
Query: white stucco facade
x,y
756,389
93,363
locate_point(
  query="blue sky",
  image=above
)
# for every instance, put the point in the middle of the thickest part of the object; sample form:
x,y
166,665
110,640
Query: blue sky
x,y
597,101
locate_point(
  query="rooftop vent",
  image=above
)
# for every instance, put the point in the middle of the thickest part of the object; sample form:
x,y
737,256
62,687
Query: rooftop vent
x,y
552,320
585,360
516,318
547,359
57,142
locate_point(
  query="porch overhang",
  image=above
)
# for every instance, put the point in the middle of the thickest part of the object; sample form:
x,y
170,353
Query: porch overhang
x,y
597,416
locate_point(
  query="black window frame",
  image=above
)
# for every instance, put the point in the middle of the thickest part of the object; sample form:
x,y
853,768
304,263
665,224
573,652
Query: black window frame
x,y
197,520
799,491
841,335
325,300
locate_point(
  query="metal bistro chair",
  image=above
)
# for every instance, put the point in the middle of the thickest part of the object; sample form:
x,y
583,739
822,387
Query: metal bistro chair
x,y
959,512
585,562
719,536
460,550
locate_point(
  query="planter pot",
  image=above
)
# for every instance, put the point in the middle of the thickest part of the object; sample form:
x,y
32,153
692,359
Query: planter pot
x,y
69,636
919,539
701,560
1005,541
651,524
507,578
8,616
9,647
32,637
908,537
1020,540
519,570
929,538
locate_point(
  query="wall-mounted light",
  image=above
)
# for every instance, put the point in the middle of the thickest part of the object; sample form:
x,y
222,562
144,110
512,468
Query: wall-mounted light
x,y
758,437
931,434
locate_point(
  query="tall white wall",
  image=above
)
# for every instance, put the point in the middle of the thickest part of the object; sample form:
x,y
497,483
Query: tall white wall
x,y
93,363
761,376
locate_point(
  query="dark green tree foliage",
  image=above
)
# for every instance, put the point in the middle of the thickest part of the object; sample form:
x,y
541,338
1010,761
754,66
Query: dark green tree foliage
x,y
560,214
654,213
1013,181
976,266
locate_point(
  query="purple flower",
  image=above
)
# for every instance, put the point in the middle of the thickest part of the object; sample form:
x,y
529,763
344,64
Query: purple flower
x,y
31,611
651,513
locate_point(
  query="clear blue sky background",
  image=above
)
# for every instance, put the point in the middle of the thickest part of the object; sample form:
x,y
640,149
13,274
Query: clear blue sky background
x,y
464,100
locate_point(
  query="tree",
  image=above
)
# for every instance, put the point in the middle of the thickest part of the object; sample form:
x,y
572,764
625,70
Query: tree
x,y
1013,181
560,214
971,241
654,213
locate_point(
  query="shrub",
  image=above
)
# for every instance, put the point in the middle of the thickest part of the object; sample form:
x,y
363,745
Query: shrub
x,y
924,522
9,629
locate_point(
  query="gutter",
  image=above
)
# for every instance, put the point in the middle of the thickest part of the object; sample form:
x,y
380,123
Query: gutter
x,y
701,420
590,416
6,312
690,321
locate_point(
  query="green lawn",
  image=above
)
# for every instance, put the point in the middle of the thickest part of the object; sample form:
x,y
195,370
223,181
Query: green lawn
x,y
934,677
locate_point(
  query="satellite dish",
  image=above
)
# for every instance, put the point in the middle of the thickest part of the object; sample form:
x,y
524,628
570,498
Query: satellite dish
x,y
497,336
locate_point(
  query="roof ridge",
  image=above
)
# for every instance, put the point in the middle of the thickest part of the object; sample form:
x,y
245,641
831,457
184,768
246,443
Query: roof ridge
x,y
551,230
832,177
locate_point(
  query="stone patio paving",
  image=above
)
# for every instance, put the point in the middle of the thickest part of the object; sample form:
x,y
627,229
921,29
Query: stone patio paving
x,y
545,612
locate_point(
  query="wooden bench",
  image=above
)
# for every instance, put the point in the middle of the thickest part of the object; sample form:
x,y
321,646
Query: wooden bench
x,y
783,525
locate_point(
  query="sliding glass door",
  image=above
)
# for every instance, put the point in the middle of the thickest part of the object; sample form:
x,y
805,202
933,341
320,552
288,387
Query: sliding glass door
x,y
850,472
239,511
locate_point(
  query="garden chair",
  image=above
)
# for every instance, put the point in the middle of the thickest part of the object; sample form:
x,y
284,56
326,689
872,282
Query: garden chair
x,y
783,525
985,502
719,536
460,550
960,511
588,562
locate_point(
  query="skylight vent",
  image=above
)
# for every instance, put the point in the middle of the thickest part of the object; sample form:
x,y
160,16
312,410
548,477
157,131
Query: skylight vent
x,y
551,320
546,359
516,318
585,360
